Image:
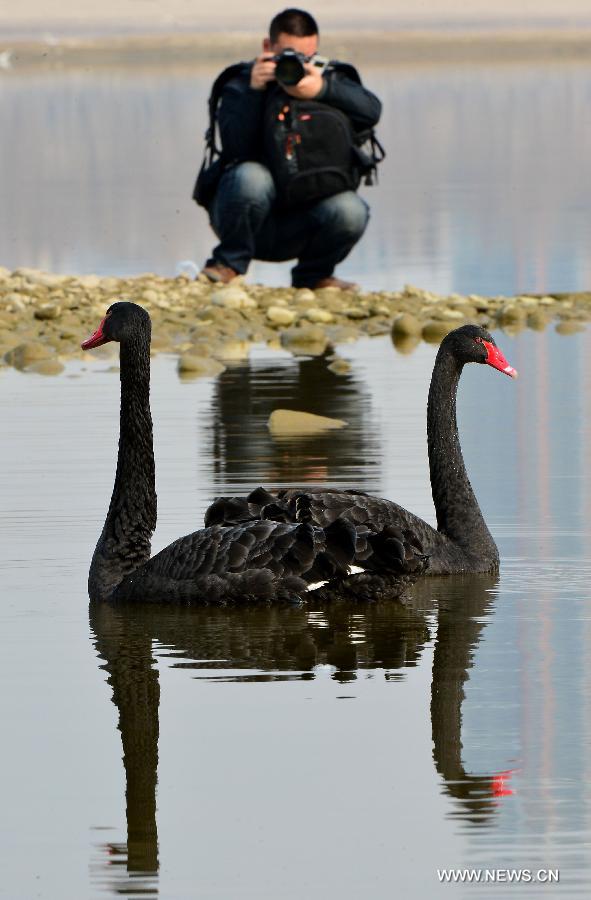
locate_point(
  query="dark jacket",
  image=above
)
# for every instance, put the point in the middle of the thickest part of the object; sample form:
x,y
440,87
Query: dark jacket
x,y
240,116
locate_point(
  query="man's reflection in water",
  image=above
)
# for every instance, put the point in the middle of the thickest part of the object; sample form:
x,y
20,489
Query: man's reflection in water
x,y
280,643
245,454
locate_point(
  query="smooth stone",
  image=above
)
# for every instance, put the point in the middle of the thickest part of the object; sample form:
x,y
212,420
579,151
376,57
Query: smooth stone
x,y
27,353
511,314
304,295
198,366
201,348
232,297
406,325
280,315
434,331
356,312
445,313
290,421
232,350
307,340
47,311
319,316
340,366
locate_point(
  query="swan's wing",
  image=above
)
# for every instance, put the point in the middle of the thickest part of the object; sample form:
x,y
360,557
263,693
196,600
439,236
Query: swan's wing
x,y
322,507
265,559
259,559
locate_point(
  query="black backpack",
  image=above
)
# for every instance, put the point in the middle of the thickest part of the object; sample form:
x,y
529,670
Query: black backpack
x,y
311,148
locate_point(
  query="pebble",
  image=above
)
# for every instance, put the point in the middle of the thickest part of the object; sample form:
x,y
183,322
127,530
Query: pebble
x,y
340,366
304,295
406,325
291,421
232,351
231,297
198,366
357,312
308,340
47,311
280,315
317,315
29,352
434,331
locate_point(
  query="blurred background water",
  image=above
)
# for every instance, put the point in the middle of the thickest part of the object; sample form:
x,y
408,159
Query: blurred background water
x,y
310,751
315,751
485,188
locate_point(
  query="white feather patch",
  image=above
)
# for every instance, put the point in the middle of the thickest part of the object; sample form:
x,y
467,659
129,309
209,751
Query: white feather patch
x,y
353,570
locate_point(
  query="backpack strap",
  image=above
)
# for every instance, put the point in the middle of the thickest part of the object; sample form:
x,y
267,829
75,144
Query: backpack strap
x,y
375,153
211,148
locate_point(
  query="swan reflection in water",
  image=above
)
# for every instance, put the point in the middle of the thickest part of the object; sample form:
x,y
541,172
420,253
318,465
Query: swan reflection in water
x,y
282,643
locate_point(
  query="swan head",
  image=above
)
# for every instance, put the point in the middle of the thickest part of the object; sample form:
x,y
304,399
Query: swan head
x,y
123,322
472,343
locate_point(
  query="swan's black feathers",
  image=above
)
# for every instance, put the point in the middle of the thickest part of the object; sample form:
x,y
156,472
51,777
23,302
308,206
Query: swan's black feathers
x,y
217,564
323,507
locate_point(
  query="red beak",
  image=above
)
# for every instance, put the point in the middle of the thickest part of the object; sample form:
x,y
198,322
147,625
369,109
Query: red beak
x,y
96,339
496,359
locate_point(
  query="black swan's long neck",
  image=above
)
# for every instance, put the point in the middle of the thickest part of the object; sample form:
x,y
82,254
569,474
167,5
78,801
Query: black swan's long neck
x,y
125,542
458,513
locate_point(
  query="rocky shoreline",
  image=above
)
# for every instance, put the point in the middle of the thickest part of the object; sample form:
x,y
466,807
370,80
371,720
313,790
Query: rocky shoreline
x,y
44,317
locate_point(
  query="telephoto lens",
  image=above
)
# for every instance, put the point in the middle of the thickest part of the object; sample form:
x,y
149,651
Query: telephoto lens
x,y
290,67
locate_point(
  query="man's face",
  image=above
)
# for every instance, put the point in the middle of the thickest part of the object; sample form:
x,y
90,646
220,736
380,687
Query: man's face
x,y
306,45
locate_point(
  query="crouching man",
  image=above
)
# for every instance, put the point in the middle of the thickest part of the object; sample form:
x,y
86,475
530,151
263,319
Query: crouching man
x,y
292,129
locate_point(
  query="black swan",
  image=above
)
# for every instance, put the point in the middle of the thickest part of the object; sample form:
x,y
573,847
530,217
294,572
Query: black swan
x,y
260,559
461,542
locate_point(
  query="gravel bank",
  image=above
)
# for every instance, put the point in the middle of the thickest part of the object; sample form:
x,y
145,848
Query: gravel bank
x,y
44,317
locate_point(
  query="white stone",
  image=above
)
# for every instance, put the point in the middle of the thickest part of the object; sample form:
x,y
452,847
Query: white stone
x,y
231,297
280,315
319,315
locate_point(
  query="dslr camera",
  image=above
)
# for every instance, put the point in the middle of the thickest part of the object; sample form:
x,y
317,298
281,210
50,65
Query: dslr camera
x,y
290,66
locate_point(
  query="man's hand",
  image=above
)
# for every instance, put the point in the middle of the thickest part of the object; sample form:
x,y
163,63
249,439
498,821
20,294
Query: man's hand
x,y
263,71
310,85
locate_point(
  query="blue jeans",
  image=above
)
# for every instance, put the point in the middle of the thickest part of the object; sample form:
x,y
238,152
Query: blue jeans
x,y
246,219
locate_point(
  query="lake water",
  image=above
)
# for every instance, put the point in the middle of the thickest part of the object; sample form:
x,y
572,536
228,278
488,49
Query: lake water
x,y
314,752
485,187
301,752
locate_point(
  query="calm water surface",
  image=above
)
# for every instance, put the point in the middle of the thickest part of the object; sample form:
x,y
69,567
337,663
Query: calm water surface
x,y
298,752
485,188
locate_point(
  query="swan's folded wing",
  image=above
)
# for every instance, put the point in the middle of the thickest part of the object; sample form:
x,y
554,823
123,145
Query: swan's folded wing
x,y
256,559
320,507
264,559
